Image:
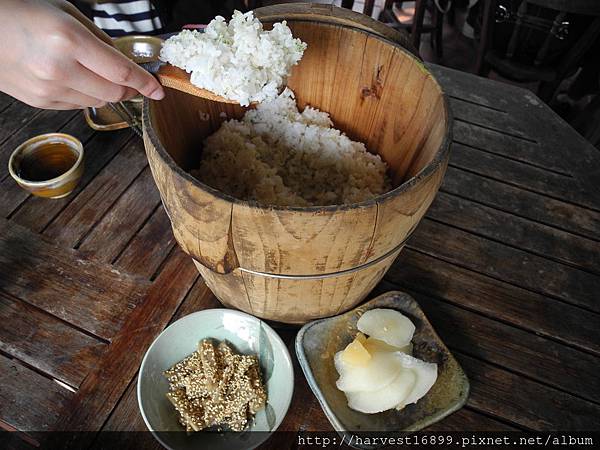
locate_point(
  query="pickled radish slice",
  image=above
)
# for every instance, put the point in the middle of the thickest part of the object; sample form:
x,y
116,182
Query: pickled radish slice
x,y
388,397
355,353
373,345
387,325
426,376
381,370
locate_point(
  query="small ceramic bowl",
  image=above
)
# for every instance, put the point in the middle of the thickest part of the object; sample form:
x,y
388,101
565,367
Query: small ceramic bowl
x,y
318,342
57,187
248,335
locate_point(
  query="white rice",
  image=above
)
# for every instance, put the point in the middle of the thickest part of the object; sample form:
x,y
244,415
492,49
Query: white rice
x,y
276,155
239,61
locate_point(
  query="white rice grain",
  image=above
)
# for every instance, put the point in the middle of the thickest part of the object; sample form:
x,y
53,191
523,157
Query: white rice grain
x,y
236,60
276,155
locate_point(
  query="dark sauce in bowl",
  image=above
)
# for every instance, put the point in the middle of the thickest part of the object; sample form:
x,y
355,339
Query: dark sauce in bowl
x,y
47,162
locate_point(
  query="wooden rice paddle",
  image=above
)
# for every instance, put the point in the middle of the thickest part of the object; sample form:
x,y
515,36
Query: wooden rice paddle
x,y
176,78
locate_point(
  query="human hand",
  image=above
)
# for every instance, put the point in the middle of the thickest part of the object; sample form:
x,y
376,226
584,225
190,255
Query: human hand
x,y
53,57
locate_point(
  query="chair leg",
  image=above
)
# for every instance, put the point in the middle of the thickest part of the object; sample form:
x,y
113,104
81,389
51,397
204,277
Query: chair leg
x,y
417,26
452,14
481,67
547,91
439,30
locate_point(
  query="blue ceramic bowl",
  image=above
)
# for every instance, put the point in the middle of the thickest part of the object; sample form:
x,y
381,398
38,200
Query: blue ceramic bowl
x,y
248,335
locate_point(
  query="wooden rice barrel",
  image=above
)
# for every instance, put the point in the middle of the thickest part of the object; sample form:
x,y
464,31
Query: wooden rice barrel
x,y
296,264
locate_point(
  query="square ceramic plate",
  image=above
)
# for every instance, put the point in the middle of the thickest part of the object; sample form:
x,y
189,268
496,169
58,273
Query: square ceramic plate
x,y
318,341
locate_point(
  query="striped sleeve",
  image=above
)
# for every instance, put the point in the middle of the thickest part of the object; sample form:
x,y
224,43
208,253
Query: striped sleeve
x,y
119,18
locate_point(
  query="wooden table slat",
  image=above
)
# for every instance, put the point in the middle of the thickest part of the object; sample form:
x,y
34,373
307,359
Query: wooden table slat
x,y
144,254
28,400
78,218
522,176
557,139
102,389
542,240
14,118
524,402
5,101
126,416
511,147
480,91
46,343
506,263
118,226
498,300
93,297
523,203
489,118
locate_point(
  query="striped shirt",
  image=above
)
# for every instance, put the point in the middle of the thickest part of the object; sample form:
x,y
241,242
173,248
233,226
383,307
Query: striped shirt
x,y
123,17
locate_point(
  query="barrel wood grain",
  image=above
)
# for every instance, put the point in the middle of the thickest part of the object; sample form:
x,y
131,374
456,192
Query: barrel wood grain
x,y
408,124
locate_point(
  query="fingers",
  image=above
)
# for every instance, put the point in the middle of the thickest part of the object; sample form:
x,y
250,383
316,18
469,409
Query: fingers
x,y
109,63
85,81
61,106
79,99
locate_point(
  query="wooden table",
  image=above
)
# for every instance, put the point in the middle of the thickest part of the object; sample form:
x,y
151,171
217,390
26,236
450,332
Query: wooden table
x,y
506,264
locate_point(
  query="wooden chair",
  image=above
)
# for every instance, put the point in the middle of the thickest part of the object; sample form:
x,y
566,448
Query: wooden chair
x,y
549,20
367,9
418,27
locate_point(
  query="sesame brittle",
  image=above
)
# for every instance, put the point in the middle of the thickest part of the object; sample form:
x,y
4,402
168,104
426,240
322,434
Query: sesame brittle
x,y
216,387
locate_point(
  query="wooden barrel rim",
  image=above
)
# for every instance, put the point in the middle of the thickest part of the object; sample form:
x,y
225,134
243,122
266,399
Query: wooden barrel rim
x,y
438,159
334,15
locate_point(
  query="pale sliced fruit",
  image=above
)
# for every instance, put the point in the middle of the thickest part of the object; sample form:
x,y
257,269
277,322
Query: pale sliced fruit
x,y
373,345
355,354
381,370
383,399
387,325
425,374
